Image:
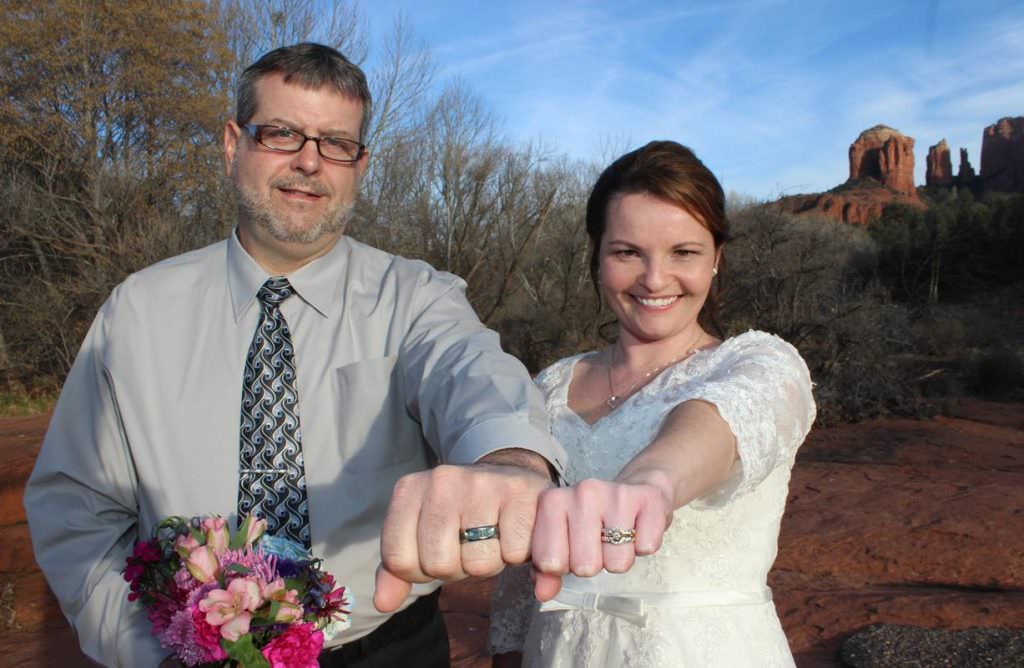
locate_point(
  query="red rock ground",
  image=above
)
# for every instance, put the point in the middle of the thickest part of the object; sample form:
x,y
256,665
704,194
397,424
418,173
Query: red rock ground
x,y
899,521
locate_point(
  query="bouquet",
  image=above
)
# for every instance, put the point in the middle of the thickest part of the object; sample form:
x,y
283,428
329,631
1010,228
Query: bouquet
x,y
245,599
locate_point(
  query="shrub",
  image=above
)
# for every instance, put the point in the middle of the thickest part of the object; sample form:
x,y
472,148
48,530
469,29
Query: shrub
x,y
998,374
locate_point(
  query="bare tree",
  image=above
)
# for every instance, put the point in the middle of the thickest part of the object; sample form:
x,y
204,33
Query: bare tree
x,y
110,160
813,282
400,86
102,137
254,27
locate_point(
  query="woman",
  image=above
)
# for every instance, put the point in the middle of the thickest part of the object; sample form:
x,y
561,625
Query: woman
x,y
668,425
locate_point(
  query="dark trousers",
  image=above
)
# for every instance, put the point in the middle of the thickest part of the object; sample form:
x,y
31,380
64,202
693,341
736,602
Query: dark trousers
x,y
414,637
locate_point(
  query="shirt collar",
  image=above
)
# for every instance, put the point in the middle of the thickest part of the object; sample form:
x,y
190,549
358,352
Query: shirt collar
x,y
317,283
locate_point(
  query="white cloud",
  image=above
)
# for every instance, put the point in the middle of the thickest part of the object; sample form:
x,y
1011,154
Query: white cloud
x,y
769,92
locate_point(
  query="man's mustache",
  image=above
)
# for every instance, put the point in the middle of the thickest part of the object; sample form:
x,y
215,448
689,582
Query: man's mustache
x,y
305,185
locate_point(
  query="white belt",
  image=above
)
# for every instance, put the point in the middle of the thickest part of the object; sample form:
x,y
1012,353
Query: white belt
x,y
633,607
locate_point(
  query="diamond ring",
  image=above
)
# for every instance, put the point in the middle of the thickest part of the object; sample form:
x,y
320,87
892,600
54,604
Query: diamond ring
x,y
617,536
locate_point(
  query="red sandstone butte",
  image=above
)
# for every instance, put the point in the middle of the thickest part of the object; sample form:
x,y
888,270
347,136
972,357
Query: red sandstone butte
x,y
881,173
939,166
885,155
1002,155
966,173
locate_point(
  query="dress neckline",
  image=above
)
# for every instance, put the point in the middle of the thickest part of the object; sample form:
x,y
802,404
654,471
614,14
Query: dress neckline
x,y
571,371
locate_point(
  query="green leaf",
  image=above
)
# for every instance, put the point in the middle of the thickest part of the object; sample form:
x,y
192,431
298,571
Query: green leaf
x,y
238,568
298,584
237,541
245,652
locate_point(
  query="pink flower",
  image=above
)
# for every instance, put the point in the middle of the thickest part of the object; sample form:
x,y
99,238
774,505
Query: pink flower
x,y
338,604
232,609
252,562
290,609
297,647
185,543
202,563
254,529
217,536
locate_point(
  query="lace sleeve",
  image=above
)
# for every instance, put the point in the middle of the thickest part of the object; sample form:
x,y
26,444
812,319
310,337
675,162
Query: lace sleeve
x,y
762,389
512,608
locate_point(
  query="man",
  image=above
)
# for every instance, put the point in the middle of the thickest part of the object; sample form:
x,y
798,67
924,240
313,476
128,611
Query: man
x,y
358,369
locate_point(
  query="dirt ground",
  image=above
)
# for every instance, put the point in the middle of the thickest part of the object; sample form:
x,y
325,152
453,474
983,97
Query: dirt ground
x,y
898,521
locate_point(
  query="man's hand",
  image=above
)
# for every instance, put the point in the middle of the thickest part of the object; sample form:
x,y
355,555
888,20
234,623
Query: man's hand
x,y
420,538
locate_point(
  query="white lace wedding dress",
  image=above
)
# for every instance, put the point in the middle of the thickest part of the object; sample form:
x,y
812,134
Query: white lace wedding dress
x,y
702,599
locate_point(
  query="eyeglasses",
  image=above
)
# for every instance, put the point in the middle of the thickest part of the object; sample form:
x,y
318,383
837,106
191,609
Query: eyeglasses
x,y
286,140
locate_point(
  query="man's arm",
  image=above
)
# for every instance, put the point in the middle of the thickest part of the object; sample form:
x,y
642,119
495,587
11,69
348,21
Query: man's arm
x,y
486,420
471,398
81,502
524,459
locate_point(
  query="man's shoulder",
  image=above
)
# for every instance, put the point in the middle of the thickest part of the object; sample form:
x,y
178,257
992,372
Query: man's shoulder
x,y
385,266
197,262
174,276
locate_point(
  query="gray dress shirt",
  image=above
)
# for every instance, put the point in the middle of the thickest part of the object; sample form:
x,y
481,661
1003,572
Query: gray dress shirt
x,y
395,373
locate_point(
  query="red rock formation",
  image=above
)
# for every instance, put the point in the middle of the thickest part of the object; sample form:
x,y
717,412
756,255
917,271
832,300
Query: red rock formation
x,y
885,155
966,173
939,170
1002,155
881,173
858,204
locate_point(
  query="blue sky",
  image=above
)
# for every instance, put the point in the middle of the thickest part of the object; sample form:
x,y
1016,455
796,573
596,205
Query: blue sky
x,y
769,93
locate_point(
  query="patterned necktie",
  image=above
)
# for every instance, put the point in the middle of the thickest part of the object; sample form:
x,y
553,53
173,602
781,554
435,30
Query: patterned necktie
x,y
272,481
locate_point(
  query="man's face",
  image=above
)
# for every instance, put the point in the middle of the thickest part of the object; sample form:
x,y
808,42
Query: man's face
x,y
294,204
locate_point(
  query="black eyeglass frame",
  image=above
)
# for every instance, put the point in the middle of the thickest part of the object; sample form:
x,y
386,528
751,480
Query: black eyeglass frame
x,y
255,130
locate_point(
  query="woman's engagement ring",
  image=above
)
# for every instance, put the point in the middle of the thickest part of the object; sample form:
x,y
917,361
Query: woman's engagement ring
x,y
617,536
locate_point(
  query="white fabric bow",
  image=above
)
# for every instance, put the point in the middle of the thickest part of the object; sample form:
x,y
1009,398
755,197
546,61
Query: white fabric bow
x,y
633,607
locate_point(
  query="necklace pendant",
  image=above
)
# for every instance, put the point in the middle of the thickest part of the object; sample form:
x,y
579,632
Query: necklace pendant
x,y
612,401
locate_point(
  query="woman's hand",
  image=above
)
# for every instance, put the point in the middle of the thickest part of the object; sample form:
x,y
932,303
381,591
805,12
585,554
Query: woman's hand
x,y
692,453
570,534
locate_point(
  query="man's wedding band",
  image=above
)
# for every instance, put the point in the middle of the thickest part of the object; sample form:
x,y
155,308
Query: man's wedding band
x,y
474,534
617,536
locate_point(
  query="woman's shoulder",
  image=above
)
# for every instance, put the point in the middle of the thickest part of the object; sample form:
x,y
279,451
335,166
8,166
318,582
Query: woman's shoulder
x,y
559,373
757,343
756,357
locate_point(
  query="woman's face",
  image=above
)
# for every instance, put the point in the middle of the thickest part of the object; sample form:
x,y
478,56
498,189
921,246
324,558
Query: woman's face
x,y
656,263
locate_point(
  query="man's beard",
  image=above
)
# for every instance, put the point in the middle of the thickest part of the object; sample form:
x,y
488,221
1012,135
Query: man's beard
x,y
258,209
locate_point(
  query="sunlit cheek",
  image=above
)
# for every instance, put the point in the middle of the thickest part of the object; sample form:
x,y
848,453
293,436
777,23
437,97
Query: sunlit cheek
x,y
697,281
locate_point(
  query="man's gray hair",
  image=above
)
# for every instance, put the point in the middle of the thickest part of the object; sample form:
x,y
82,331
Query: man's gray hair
x,y
308,64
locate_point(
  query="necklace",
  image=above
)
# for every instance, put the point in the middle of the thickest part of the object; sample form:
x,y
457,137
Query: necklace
x,y
614,400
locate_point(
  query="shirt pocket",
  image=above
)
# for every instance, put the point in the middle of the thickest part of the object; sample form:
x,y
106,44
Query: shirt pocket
x,y
375,430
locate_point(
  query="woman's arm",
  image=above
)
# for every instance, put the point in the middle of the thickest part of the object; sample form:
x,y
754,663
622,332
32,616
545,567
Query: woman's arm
x,y
693,452
747,418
